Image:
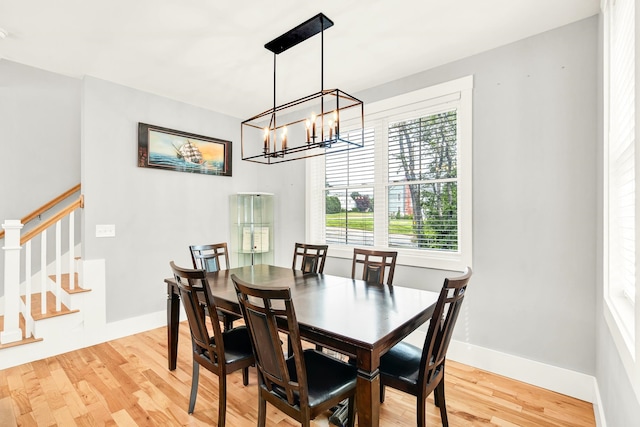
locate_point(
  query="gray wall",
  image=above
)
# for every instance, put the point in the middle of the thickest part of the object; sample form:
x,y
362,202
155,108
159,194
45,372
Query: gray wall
x,y
158,213
534,199
39,139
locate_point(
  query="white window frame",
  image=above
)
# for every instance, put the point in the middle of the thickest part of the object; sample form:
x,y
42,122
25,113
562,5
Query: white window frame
x,y
453,94
621,313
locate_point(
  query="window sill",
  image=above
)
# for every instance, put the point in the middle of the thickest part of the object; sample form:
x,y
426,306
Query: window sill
x,y
412,258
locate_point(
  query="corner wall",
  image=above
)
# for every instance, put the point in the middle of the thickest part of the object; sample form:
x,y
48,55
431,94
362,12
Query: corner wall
x,y
157,214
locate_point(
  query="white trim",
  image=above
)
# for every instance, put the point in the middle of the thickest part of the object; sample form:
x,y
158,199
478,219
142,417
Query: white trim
x,y
421,98
448,95
598,408
253,193
410,257
134,325
571,383
620,315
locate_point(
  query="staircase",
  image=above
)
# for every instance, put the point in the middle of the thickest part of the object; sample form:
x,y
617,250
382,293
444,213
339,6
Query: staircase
x,y
45,306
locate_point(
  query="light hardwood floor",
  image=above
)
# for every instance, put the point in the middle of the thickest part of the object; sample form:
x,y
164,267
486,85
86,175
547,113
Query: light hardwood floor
x,y
126,383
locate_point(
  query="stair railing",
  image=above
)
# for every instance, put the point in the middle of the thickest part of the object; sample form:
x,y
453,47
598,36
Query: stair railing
x,y
13,305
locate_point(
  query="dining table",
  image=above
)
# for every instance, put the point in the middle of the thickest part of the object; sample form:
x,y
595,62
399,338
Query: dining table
x,y
356,318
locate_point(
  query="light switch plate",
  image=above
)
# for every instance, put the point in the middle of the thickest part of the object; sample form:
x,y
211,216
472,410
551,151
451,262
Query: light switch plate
x,y
105,230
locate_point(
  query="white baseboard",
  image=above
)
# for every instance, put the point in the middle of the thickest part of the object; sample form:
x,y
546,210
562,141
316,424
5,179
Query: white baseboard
x,y
565,381
571,383
598,408
135,325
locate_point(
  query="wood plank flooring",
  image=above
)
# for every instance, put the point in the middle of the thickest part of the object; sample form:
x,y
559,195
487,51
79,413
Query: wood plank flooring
x,y
126,383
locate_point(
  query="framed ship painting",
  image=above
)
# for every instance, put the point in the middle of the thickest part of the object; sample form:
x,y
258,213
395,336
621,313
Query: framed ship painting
x,y
170,149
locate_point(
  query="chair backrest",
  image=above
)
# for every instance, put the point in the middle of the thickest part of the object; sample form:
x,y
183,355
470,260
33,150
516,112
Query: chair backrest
x,y
210,257
262,309
441,325
198,304
377,266
312,256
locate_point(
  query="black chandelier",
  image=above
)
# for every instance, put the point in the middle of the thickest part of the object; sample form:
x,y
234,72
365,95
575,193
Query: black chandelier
x,y
306,127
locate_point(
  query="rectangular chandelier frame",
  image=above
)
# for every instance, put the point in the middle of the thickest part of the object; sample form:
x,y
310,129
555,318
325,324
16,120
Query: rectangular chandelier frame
x,y
309,126
309,139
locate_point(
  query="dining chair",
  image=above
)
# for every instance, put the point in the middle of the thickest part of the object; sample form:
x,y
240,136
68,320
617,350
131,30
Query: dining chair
x,y
375,265
312,257
302,385
219,352
420,371
214,257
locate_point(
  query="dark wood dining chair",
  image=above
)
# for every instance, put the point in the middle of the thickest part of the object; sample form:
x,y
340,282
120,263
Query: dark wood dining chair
x,y
219,352
376,266
420,371
302,385
311,257
214,257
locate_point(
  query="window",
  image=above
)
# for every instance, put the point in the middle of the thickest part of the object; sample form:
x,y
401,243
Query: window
x,y
408,189
349,177
620,194
423,179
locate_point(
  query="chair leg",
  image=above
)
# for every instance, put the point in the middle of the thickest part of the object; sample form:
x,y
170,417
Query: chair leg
x,y
262,410
227,322
381,392
245,376
436,395
421,414
439,395
222,399
305,418
351,421
194,386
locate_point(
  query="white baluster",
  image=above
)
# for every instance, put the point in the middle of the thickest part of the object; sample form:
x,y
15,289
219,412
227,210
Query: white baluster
x,y
27,292
11,332
43,272
72,276
58,266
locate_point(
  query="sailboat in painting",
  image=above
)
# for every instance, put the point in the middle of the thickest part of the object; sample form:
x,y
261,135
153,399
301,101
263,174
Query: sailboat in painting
x,y
189,153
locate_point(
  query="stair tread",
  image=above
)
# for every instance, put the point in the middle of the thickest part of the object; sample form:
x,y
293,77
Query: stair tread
x,y
24,340
36,305
64,278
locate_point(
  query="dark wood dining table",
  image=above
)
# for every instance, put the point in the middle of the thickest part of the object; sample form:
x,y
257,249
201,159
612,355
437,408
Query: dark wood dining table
x,y
353,317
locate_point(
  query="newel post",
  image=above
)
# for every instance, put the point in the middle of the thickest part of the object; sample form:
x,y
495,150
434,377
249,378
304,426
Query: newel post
x,y
12,331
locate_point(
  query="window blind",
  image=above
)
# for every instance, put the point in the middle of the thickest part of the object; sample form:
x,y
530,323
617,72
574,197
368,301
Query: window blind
x,y
422,191
349,204
621,155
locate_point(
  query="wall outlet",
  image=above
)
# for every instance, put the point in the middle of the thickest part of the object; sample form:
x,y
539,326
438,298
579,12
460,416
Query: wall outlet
x,y
105,230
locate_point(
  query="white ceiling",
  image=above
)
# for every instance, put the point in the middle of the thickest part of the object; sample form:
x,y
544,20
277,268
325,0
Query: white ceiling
x,y
211,53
